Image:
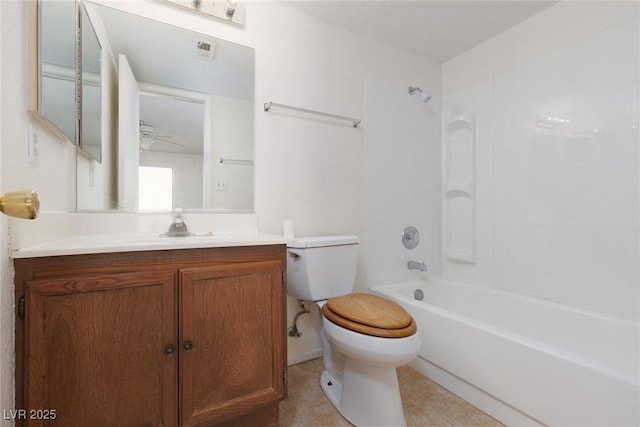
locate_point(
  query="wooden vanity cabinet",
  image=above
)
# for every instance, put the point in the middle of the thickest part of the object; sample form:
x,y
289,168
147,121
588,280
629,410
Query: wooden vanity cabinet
x,y
192,337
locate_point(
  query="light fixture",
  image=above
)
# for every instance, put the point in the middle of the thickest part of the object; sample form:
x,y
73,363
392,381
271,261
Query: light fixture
x,y
229,11
551,122
230,8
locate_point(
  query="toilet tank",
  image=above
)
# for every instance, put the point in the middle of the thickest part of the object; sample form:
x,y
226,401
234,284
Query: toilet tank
x,y
321,267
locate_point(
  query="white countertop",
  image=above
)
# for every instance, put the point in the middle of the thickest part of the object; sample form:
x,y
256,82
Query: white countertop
x,y
95,243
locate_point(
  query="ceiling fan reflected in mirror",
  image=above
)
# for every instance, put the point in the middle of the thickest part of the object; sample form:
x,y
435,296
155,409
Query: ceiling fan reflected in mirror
x,y
148,137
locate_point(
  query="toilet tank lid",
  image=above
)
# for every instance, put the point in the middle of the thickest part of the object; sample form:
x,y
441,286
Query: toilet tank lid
x,y
322,241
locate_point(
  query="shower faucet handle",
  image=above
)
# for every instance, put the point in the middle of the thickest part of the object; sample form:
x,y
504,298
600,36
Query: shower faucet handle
x,y
410,237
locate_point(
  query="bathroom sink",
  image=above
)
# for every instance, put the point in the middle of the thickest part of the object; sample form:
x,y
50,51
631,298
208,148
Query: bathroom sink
x,y
159,240
101,243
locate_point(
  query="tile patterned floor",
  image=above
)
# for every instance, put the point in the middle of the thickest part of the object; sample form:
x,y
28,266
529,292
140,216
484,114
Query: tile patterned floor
x,y
425,403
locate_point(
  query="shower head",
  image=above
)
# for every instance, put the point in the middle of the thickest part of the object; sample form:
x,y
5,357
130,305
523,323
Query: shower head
x,y
424,95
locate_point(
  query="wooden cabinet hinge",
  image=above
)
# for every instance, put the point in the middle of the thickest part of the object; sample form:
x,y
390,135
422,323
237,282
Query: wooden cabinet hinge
x,y
21,308
284,376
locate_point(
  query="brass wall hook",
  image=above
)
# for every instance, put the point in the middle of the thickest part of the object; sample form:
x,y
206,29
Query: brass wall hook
x,y
20,204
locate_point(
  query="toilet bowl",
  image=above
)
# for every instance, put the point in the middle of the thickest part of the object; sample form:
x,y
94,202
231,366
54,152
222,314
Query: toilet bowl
x,y
366,390
364,337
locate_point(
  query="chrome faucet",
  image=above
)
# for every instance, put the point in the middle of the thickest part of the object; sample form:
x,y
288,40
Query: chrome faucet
x,y
415,265
178,228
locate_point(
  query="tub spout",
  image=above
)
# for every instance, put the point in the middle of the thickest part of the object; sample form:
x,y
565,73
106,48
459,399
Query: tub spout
x,y
415,265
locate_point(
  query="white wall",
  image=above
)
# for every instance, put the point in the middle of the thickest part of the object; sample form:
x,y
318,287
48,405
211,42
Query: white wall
x,y
557,208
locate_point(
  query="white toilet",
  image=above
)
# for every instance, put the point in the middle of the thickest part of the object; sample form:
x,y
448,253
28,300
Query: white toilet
x,y
364,337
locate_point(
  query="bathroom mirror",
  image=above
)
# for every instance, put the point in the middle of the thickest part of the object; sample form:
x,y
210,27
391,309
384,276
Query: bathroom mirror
x,y
53,97
91,104
184,109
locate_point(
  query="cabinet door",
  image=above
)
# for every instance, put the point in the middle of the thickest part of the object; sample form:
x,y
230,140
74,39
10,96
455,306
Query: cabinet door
x,y
96,350
232,322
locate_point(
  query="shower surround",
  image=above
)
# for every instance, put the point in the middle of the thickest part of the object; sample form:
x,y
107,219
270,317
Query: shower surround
x,y
556,172
537,194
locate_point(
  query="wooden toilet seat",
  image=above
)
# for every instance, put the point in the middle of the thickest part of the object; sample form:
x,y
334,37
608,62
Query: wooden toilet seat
x,y
371,315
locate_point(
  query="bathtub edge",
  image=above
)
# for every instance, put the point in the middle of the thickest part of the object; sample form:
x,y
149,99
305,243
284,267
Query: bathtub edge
x,y
493,407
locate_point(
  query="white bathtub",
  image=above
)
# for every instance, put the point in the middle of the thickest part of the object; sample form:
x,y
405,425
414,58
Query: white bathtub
x,y
523,360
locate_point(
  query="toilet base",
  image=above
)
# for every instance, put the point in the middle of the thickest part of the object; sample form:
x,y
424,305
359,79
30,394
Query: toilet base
x,y
369,395
332,388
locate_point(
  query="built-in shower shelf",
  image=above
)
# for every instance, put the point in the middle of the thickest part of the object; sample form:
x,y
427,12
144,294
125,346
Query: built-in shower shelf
x,y
461,257
459,210
461,120
459,189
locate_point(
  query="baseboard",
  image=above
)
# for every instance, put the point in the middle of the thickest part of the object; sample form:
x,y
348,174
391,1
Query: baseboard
x,y
499,410
303,357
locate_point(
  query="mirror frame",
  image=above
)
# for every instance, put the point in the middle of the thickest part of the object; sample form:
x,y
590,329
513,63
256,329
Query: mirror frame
x,y
35,87
34,10
80,82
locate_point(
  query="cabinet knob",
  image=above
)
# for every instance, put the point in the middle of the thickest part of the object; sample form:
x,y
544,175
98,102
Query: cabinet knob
x,y
187,346
170,350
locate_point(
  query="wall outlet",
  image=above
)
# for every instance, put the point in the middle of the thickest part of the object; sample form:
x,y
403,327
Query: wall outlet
x,y
222,184
92,175
33,148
